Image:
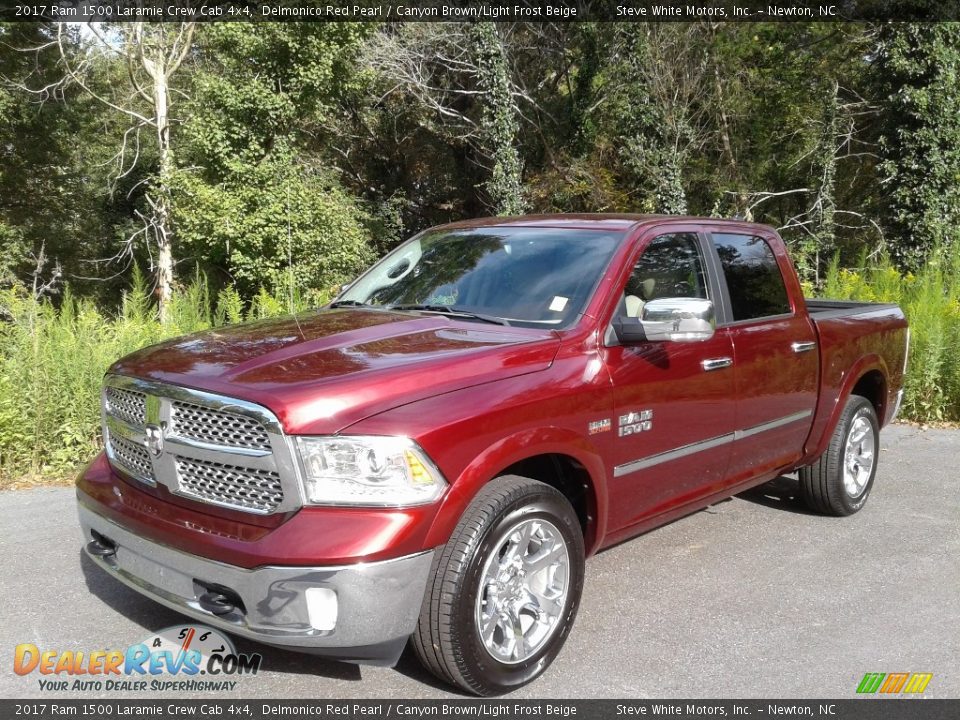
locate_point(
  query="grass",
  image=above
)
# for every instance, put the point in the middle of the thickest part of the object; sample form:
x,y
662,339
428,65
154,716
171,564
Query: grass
x,y
930,299
52,361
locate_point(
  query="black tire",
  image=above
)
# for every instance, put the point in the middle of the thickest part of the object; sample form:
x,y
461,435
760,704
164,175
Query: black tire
x,y
447,639
822,483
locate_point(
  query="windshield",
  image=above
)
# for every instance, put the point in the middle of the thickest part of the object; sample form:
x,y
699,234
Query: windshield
x,y
526,276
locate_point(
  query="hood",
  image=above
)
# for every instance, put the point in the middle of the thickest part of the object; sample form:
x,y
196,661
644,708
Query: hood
x,y
323,371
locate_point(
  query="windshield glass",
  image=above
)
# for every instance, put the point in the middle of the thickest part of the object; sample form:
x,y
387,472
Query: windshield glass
x,y
527,276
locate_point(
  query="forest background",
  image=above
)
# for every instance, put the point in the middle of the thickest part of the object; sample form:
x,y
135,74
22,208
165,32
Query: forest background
x,y
157,179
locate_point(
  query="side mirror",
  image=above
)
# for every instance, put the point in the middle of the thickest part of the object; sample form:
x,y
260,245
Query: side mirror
x,y
673,319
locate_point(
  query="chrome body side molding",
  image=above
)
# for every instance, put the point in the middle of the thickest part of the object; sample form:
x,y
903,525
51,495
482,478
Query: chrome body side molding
x,y
683,451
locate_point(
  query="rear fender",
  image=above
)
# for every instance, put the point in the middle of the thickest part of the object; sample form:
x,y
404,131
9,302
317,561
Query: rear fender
x,y
821,432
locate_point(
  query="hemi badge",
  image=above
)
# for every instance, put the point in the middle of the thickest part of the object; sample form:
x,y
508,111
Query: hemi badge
x,y
599,426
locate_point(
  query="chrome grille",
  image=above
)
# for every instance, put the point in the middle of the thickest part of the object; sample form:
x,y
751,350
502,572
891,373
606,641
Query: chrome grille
x,y
127,405
218,427
210,448
230,485
132,457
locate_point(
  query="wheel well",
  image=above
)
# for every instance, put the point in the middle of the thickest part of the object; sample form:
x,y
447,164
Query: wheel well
x,y
568,476
873,387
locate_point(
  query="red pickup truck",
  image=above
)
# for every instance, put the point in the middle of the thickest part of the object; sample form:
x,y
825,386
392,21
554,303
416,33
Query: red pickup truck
x,y
434,454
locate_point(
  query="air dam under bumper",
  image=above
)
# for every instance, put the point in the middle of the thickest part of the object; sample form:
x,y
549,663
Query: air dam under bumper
x,y
377,604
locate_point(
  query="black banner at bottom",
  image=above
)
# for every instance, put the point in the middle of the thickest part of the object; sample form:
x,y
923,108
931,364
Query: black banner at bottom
x,y
232,709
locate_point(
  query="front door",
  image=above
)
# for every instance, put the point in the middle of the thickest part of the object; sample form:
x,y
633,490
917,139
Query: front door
x,y
674,409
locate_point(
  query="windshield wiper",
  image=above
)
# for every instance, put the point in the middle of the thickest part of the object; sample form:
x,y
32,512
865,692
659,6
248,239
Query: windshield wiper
x,y
348,303
453,311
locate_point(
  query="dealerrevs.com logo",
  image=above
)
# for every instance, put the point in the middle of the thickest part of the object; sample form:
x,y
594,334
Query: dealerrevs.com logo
x,y
180,658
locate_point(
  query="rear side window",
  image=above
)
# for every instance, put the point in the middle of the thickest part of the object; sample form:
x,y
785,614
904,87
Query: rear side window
x,y
753,277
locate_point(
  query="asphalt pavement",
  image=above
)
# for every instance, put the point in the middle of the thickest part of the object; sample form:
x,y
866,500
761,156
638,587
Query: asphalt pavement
x,y
752,597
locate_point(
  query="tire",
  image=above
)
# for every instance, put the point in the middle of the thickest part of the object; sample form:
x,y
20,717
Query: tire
x,y
512,517
838,484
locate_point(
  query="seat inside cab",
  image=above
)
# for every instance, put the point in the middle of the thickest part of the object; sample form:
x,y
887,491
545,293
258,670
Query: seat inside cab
x,y
638,295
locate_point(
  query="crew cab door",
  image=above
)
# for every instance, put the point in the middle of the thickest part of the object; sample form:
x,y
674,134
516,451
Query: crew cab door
x,y
673,401
776,359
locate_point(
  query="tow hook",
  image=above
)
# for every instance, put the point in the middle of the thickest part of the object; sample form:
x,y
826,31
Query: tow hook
x,y
216,603
100,547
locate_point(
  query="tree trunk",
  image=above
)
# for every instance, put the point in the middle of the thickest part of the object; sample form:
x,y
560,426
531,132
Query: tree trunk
x,y
500,126
159,198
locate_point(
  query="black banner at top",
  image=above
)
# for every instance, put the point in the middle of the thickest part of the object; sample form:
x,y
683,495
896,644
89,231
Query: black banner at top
x,y
474,10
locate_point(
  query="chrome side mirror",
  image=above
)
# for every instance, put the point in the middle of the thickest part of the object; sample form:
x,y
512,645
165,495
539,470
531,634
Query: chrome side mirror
x,y
678,319
674,319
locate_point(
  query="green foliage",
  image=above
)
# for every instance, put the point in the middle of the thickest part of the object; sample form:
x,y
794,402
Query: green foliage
x,y
930,298
499,121
918,68
275,224
251,198
298,157
52,361
13,253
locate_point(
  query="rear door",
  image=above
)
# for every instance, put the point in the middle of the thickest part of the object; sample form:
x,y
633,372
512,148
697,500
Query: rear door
x,y
776,361
673,401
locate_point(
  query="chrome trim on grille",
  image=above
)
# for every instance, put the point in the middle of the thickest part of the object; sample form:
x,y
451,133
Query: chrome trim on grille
x,y
132,457
217,427
261,477
230,485
683,451
129,405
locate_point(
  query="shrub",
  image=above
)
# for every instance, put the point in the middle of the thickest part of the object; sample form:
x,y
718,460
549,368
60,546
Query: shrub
x,y
930,298
52,361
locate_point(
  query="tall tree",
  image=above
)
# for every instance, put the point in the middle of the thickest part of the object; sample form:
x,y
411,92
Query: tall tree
x,y
149,54
663,83
499,120
459,81
255,198
40,197
917,67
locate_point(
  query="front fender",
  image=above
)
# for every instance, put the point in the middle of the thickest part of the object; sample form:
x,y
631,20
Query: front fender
x,y
511,449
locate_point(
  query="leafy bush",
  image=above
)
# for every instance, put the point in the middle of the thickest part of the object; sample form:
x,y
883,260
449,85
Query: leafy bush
x,y
274,224
52,361
931,301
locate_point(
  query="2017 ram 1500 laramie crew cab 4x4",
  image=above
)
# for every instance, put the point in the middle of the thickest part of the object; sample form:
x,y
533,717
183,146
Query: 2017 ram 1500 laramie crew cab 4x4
x,y
433,455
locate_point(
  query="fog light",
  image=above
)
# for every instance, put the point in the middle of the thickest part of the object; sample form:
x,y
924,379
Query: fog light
x,y
322,608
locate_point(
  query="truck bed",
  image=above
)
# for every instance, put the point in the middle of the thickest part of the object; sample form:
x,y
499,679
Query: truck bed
x,y
828,309
856,338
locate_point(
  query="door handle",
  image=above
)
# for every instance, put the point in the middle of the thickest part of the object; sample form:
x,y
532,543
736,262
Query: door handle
x,y
716,363
802,347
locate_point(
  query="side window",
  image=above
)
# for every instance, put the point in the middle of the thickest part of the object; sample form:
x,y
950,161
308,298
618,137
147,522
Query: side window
x,y
753,277
671,266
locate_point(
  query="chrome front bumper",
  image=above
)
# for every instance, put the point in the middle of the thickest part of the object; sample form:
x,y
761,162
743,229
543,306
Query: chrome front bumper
x,y
377,604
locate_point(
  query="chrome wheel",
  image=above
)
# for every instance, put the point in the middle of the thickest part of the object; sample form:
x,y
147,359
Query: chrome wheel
x,y
858,456
523,591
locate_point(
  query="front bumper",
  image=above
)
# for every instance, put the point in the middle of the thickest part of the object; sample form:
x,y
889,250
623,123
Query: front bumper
x,y
377,604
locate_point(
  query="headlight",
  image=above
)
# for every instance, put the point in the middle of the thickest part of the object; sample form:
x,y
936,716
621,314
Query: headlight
x,y
370,470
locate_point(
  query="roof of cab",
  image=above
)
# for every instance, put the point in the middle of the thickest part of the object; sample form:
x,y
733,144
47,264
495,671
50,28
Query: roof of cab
x,y
584,221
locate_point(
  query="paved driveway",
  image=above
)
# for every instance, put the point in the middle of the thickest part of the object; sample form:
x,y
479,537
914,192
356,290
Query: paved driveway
x,y
753,597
